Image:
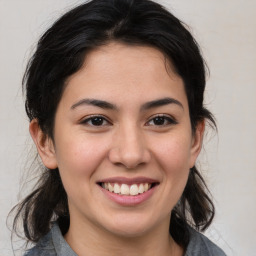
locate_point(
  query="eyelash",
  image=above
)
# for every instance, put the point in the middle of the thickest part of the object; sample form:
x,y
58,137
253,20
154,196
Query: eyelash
x,y
95,117
165,120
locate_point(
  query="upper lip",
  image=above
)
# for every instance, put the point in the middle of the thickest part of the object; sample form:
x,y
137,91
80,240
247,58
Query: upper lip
x,y
128,181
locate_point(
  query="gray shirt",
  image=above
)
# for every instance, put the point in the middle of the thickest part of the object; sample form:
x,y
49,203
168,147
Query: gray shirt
x,y
53,244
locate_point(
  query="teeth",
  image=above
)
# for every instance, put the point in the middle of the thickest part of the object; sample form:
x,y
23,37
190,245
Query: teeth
x,y
141,188
117,189
134,190
125,189
110,187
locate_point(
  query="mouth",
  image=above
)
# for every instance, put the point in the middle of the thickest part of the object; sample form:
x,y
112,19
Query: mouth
x,y
128,192
127,189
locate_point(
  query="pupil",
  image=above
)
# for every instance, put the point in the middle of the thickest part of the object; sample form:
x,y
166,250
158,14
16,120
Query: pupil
x,y
97,121
159,120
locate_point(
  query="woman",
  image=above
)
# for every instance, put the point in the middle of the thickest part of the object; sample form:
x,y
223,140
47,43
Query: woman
x,y
114,94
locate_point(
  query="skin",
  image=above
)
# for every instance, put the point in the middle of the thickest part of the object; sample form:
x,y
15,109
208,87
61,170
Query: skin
x,y
128,143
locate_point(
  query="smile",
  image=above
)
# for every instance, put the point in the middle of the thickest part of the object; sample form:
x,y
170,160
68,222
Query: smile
x,y
125,189
128,191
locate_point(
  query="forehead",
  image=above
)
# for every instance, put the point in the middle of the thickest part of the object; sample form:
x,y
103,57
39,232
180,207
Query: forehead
x,y
128,59
117,71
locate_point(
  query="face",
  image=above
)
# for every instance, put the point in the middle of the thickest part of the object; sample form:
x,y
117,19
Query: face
x,y
122,140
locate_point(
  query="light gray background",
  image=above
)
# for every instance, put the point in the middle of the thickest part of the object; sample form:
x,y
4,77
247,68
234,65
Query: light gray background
x,y
226,31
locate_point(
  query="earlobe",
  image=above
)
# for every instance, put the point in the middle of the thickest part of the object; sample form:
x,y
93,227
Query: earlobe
x,y
197,142
44,145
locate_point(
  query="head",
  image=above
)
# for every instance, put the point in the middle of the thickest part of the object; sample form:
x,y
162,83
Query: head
x,y
64,50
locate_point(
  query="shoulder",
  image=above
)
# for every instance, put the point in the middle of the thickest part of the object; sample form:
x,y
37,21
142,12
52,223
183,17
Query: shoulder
x,y
44,247
200,245
52,244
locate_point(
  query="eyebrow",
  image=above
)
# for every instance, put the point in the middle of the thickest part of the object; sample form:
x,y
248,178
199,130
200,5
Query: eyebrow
x,y
98,103
107,105
160,102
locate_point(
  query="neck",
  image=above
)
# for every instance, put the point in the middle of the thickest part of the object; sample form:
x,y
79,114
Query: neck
x,y
88,239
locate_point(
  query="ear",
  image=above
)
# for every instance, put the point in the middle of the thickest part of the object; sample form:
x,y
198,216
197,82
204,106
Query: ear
x,y
44,144
197,142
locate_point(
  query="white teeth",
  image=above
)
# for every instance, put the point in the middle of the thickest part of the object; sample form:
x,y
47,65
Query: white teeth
x,y
141,188
117,189
134,190
110,187
125,189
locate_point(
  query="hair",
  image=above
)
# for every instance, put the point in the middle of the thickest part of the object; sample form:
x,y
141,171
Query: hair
x,y
61,52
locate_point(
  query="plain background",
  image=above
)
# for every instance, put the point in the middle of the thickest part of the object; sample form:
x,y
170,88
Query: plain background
x,y
226,31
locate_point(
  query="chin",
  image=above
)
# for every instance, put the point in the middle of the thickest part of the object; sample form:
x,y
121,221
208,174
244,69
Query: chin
x,y
130,226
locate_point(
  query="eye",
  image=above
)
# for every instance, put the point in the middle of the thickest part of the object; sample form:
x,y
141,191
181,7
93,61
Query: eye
x,y
161,120
95,121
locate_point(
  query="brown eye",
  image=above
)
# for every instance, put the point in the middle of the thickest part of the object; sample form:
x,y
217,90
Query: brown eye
x,y
161,120
95,121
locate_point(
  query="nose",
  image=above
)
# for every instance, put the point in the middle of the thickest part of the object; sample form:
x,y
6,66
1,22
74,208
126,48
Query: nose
x,y
129,148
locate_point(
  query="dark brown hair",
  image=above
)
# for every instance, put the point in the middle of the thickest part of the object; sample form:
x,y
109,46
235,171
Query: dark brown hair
x,y
61,52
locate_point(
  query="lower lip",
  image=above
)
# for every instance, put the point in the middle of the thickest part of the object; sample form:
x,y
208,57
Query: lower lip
x,y
129,200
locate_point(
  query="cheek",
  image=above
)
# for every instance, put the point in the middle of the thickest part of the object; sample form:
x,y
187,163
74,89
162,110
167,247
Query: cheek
x,y
79,156
174,158
174,154
78,159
